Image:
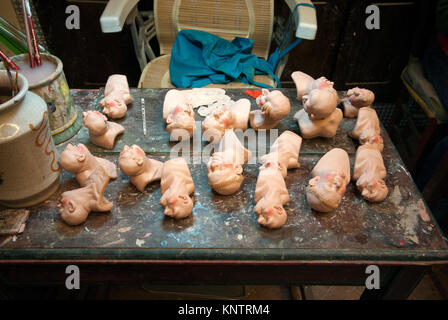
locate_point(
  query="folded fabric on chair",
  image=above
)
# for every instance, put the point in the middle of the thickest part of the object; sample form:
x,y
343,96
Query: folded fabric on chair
x,y
199,58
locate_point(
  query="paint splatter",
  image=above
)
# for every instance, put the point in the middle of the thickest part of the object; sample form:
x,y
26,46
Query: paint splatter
x,y
139,242
126,229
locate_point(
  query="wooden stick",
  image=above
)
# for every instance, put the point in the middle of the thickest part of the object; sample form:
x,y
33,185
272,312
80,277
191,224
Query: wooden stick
x,y
8,61
28,35
33,33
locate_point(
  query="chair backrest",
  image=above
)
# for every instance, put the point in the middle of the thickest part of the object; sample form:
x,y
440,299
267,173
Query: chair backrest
x,y
224,18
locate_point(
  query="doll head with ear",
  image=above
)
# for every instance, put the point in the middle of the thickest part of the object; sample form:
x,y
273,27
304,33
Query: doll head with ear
x,y
181,121
95,122
374,191
73,158
177,205
272,217
324,193
131,160
224,177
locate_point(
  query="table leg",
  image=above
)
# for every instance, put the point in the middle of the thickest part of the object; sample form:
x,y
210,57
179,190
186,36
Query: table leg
x,y
399,285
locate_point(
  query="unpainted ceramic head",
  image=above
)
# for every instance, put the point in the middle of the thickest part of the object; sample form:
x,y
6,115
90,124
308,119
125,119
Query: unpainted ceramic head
x,y
72,159
95,122
320,103
284,151
79,160
131,160
274,104
216,123
367,129
369,172
176,186
272,217
325,128
76,205
331,175
181,122
116,96
224,177
102,132
360,98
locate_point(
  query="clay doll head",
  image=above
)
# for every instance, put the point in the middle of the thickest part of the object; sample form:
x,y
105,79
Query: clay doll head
x,y
374,191
116,96
320,103
272,217
73,158
181,121
95,122
331,174
216,123
76,205
273,105
178,206
225,177
325,192
360,97
131,160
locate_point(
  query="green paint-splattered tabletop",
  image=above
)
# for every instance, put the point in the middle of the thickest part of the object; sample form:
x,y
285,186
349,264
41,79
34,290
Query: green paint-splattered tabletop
x,y
401,228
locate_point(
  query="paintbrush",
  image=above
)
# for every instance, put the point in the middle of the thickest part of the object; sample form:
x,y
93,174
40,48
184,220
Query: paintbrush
x,y
28,35
8,61
142,101
10,79
29,17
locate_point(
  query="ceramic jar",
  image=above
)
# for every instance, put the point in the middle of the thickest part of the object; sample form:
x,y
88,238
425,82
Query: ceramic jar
x,y
29,168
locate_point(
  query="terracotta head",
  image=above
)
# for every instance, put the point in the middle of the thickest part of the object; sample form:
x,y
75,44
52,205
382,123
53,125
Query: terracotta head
x,y
272,217
73,158
131,160
360,97
178,206
320,104
224,178
95,121
274,104
374,191
217,122
71,209
181,120
325,192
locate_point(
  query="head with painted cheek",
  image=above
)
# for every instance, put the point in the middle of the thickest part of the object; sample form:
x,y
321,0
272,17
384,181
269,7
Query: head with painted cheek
x,y
274,104
374,191
217,122
73,158
373,140
70,209
325,192
95,121
178,206
360,97
181,120
272,160
224,178
320,83
272,217
131,160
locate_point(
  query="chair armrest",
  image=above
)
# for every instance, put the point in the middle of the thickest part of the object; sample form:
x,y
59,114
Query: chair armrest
x,y
305,18
115,15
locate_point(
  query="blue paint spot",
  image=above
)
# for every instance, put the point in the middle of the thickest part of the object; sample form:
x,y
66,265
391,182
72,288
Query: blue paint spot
x,y
198,207
163,243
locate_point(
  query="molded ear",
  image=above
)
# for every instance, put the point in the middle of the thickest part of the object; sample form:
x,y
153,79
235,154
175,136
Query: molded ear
x,y
139,162
81,157
314,181
265,92
163,201
238,169
84,114
71,206
169,119
261,220
365,192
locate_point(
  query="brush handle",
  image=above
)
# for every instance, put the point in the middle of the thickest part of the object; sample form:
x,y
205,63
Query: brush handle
x,y
8,61
28,35
29,17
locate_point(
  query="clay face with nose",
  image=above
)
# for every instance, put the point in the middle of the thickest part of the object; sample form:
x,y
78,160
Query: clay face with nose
x,y
375,191
95,121
131,160
179,206
272,217
72,157
181,121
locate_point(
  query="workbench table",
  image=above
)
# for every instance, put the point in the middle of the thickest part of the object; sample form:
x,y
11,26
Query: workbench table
x,y
222,241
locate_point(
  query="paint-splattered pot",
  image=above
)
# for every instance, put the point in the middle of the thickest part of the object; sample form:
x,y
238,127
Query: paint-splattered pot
x,y
29,169
48,81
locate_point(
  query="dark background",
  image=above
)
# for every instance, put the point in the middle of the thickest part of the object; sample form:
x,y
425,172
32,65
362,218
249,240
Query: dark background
x,y
345,51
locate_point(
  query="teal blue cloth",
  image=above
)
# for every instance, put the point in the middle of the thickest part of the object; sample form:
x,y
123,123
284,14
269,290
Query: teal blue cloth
x,y
199,58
